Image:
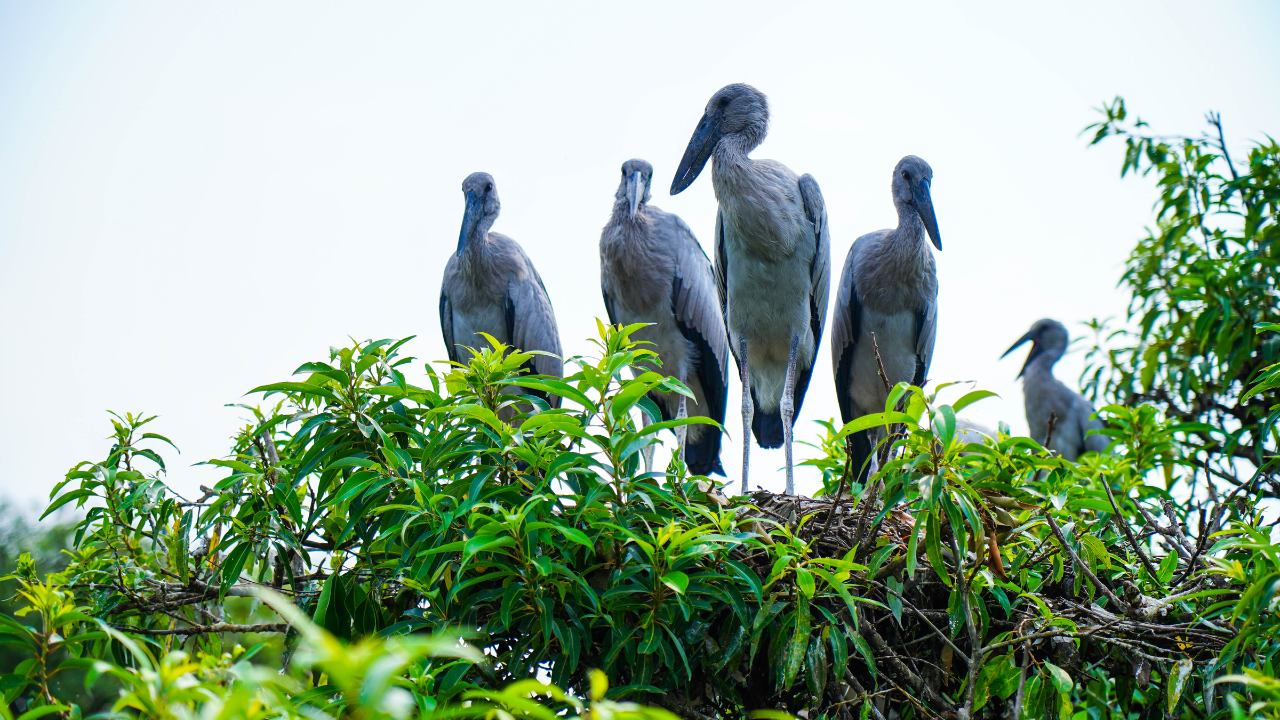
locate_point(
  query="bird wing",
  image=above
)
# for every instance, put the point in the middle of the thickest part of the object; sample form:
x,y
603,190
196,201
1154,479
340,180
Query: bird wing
x,y
696,304
1092,443
608,305
926,333
531,322
722,281
446,323
815,209
846,327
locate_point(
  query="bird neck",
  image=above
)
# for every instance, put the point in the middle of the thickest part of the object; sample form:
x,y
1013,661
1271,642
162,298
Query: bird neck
x,y
474,251
1042,364
622,217
733,152
910,226
908,239
732,170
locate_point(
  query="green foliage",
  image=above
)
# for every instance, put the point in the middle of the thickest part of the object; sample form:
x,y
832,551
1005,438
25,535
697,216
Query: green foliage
x,y
1205,285
390,549
377,679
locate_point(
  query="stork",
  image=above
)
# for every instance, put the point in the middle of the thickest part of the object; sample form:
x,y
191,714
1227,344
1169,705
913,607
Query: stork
x,y
652,270
887,304
772,259
490,286
1049,401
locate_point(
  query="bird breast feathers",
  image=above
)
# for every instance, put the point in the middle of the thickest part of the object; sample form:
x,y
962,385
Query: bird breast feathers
x,y
893,279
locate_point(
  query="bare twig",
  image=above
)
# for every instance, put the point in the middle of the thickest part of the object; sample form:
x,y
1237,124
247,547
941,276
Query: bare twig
x,y
896,667
1057,531
1154,525
1124,525
975,647
1175,524
204,629
1053,423
932,627
857,687
1022,681
844,476
884,377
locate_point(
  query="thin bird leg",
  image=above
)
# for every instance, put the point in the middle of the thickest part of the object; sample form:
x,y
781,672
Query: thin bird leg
x,y
647,452
789,408
748,412
682,431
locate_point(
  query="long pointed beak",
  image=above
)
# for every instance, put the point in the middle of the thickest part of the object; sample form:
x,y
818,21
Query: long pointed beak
x,y
635,191
1035,350
470,219
924,206
696,155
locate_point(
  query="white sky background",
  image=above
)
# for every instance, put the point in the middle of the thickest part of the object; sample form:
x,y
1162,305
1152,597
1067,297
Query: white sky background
x,y
197,198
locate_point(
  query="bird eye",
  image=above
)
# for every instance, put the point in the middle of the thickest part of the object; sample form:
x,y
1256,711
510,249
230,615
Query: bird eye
x,y
488,187
724,103
905,176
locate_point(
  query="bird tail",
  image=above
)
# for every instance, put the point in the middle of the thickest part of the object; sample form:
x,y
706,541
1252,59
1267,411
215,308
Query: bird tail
x,y
702,454
767,427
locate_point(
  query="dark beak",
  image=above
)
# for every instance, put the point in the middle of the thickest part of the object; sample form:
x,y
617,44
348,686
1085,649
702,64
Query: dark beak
x,y
1035,350
470,219
635,191
924,206
696,155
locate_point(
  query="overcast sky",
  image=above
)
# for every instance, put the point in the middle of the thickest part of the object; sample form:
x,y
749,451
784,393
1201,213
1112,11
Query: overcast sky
x,y
195,198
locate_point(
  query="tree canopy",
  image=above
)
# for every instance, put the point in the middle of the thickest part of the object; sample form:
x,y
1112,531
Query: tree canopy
x,y
384,544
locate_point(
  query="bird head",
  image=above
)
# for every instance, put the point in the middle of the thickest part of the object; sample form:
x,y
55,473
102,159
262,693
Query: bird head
x,y
482,207
1046,336
912,179
735,110
637,175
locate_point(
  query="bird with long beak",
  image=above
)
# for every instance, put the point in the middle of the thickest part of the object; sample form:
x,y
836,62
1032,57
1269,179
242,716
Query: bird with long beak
x,y
490,286
1051,403
653,270
887,304
772,260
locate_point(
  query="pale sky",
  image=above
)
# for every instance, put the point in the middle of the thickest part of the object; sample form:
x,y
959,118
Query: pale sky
x,y
196,198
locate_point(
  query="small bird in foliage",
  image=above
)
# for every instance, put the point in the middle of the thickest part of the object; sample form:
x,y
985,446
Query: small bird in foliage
x,y
772,259
887,301
652,270
1049,402
490,286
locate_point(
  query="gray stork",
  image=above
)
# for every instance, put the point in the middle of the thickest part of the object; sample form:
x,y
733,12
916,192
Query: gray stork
x,y
490,286
653,270
888,291
1046,396
773,264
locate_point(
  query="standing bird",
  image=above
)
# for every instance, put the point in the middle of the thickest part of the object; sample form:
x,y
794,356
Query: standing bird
x,y
773,264
888,299
1047,397
490,286
653,270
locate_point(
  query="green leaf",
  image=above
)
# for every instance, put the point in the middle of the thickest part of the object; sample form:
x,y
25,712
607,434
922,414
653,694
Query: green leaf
x,y
64,499
804,581
971,398
1177,683
297,387
42,711
234,564
796,649
1167,568
933,546
1059,677
866,422
676,580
